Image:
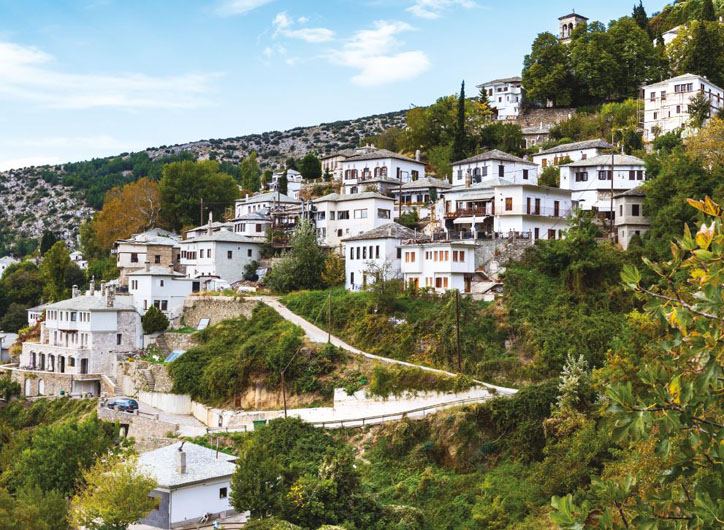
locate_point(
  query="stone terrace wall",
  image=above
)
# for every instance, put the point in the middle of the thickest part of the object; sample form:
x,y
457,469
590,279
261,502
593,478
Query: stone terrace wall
x,y
215,308
548,117
132,379
169,341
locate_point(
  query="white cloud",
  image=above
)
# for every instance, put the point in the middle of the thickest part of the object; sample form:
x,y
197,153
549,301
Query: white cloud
x,y
284,27
239,7
27,75
373,53
432,9
15,163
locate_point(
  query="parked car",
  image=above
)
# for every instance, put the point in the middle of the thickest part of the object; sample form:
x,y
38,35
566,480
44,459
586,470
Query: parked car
x,y
122,404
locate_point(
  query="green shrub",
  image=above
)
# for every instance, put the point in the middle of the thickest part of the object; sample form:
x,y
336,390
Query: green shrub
x,y
154,321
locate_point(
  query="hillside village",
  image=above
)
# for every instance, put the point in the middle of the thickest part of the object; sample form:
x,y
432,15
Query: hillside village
x,y
382,324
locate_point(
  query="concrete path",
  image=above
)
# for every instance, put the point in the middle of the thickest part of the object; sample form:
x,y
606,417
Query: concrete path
x,y
187,424
318,335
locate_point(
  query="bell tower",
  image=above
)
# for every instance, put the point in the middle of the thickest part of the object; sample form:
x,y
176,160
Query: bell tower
x,y
566,25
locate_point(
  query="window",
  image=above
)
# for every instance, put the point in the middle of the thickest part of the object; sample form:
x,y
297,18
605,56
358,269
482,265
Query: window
x,y
438,283
632,174
537,206
331,216
145,305
447,255
134,284
73,316
653,96
640,174
536,233
444,282
162,284
343,215
364,252
460,174
134,257
164,305
377,252
415,174
399,253
635,210
229,254
157,258
383,214
525,174
508,204
360,214
604,174
119,339
656,115
582,176
455,255
259,228
663,95
678,109
462,255
351,252
201,253
223,493
556,208
544,162
501,171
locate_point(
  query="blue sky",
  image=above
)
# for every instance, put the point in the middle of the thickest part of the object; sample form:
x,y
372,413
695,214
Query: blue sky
x,y
85,78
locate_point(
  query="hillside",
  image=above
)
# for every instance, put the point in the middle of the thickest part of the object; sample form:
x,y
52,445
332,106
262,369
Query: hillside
x,y
59,197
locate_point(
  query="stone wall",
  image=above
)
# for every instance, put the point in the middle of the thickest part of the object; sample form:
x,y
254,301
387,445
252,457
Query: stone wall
x,y
142,376
492,255
140,426
169,341
215,308
53,383
548,117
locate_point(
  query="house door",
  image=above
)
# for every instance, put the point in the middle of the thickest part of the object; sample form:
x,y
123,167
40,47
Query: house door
x,y
468,284
41,387
84,366
61,364
27,387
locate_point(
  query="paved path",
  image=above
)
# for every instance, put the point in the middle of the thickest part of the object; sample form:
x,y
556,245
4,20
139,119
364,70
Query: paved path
x,y
187,424
318,335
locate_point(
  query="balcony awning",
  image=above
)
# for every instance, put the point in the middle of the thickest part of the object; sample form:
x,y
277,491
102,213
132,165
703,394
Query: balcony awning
x,y
469,220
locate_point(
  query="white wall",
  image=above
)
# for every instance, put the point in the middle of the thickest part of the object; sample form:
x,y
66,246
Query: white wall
x,y
395,167
216,261
513,171
505,97
147,289
331,231
192,502
595,192
356,269
552,159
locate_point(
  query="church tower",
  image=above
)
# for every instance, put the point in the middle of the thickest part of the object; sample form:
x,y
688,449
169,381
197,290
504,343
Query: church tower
x,y
567,24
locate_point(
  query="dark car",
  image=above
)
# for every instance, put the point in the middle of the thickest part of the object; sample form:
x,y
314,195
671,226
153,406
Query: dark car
x,y
122,404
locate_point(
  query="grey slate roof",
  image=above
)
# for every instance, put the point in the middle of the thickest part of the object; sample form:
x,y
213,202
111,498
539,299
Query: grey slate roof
x,y
154,236
493,154
388,230
381,154
605,160
342,152
572,15
255,216
156,271
586,144
514,79
270,196
336,197
201,465
427,182
90,303
636,192
224,236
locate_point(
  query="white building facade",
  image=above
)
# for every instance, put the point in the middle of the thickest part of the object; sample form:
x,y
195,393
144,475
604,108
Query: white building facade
x,y
341,216
666,104
590,181
160,287
5,262
263,202
439,266
157,246
375,255
574,151
630,218
494,163
505,96
379,170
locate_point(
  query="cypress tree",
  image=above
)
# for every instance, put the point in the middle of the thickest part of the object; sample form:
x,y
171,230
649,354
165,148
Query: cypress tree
x,y
641,18
459,139
707,11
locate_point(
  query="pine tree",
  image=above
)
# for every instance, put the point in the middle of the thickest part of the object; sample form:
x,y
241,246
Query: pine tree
x,y
459,140
707,11
283,183
641,18
250,173
702,52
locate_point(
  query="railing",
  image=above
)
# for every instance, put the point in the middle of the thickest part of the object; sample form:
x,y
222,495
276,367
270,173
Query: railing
x,y
541,212
468,212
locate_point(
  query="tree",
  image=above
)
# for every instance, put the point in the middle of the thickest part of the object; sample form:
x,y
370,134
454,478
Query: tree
x,y
33,508
15,318
703,52
53,270
22,284
75,276
706,146
130,209
291,163
507,137
707,11
116,495
636,58
47,241
283,183
154,321
333,273
185,184
594,61
459,139
550,176
310,167
641,18
250,173
546,71
699,110
301,267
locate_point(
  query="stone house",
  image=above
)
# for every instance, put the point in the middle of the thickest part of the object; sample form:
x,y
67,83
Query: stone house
x,y
630,218
157,246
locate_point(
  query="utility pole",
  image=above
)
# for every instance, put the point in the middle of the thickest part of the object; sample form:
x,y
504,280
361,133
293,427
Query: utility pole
x,y
202,212
284,392
329,320
457,328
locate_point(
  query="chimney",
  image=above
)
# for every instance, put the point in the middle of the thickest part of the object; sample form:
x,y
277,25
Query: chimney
x,y
417,155
92,286
211,220
468,179
103,288
75,292
147,266
110,296
181,460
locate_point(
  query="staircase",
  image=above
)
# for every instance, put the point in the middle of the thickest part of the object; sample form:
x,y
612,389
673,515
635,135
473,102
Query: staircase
x,y
149,379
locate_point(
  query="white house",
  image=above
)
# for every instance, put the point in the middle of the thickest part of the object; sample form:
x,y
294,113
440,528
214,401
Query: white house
x,y
262,202
535,135
666,104
221,255
157,246
539,212
419,194
340,216
590,180
34,314
574,151
439,265
160,287
332,162
379,170
82,338
374,255
5,262
630,218
215,226
6,341
77,258
294,182
505,96
193,481
494,163
669,36
566,25
254,225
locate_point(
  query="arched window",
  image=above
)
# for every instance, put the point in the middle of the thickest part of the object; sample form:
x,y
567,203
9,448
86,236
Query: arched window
x,y
383,171
41,387
27,387
366,173
42,362
33,359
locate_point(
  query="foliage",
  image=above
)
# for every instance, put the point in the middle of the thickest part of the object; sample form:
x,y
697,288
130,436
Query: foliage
x,y
15,318
394,380
698,49
546,73
459,147
53,270
8,388
388,139
706,147
550,176
302,266
613,119
126,211
310,167
183,186
507,137
47,241
333,273
699,109
116,494
33,508
154,321
283,183
250,173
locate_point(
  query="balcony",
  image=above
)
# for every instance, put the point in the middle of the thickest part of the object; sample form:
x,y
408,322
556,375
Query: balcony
x,y
558,213
469,212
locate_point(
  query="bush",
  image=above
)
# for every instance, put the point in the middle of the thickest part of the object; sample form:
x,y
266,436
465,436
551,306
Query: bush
x,y
154,321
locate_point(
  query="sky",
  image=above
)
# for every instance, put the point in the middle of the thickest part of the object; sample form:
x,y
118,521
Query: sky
x,y
88,78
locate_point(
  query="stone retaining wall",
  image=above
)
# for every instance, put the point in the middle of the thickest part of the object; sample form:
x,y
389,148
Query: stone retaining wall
x,y
215,308
131,378
140,426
